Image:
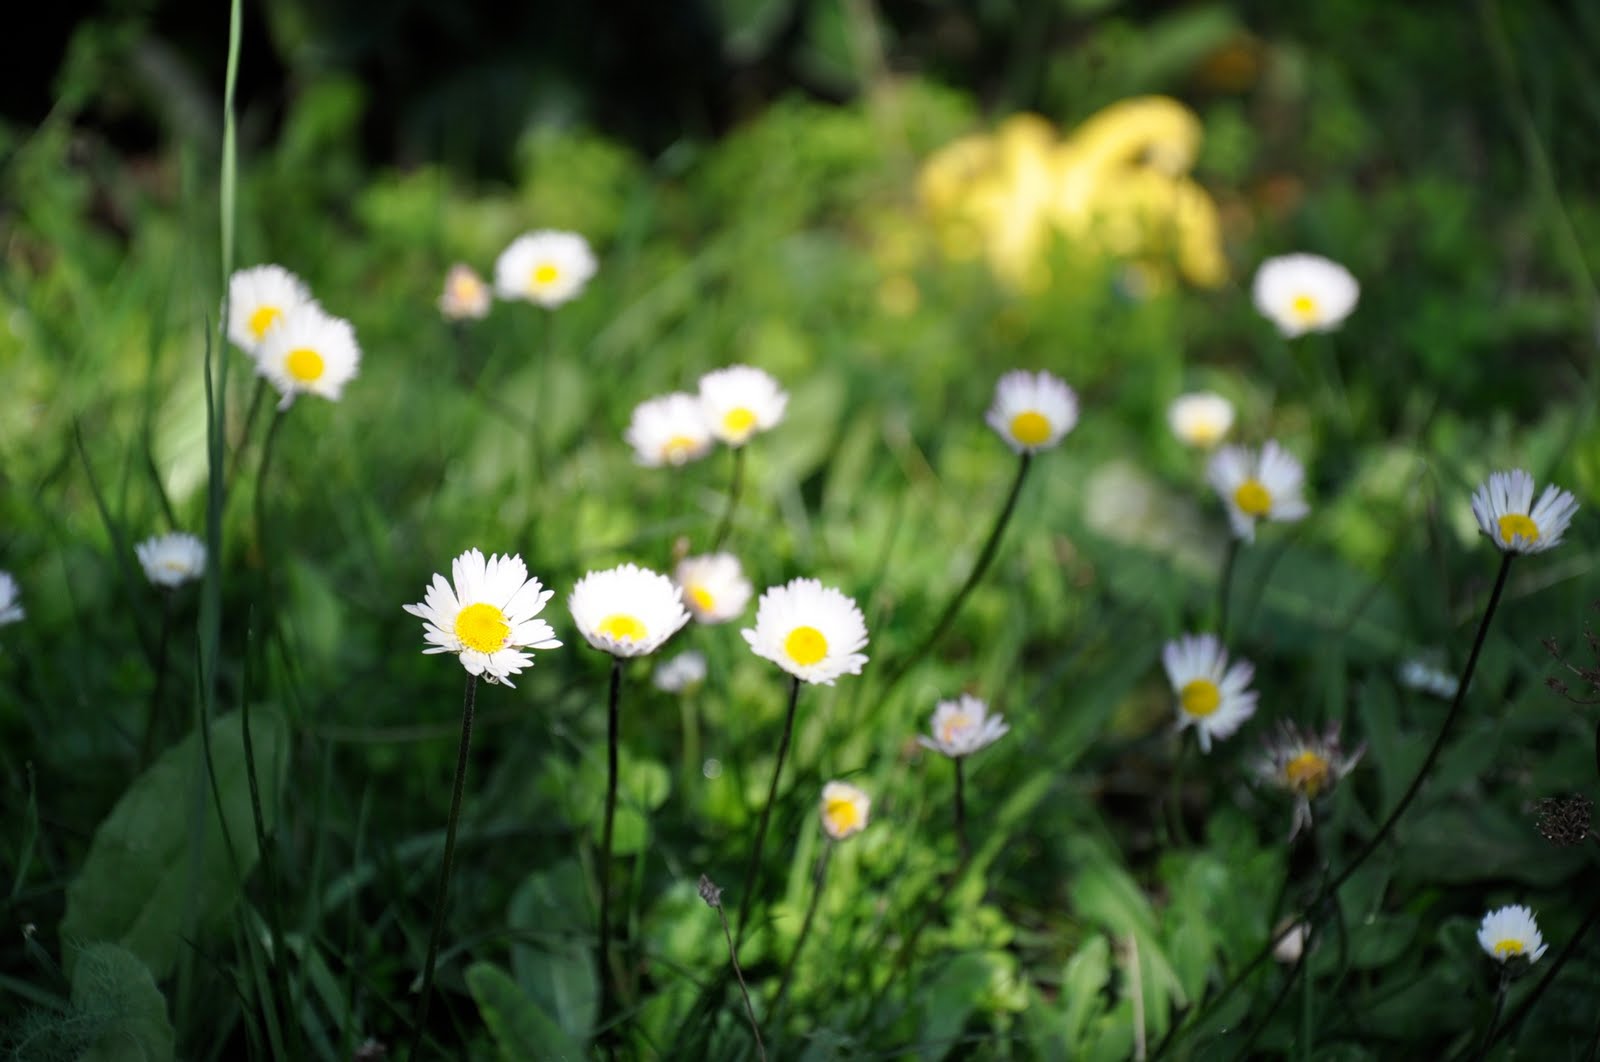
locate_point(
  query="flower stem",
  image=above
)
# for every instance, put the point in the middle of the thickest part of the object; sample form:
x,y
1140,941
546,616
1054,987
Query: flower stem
x,y
1225,587
752,873
442,894
817,881
713,896
612,741
1180,768
158,691
278,418
1567,951
251,412
735,485
1499,1007
961,811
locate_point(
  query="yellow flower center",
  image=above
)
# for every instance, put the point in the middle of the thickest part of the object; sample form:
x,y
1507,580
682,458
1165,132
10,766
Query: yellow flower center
x,y
482,628
1030,428
1204,432
1200,697
622,627
304,364
841,816
1304,308
545,274
738,421
1504,949
1307,772
805,646
264,318
466,289
954,726
702,598
1514,524
677,449
1253,498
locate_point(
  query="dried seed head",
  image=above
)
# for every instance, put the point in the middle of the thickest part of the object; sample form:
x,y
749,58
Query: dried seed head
x,y
709,892
1564,821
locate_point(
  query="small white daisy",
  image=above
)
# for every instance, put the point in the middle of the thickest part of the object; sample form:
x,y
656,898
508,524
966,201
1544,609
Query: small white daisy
x,y
714,587
740,401
1200,419
963,726
487,616
1510,932
1305,765
1264,486
628,610
259,299
465,295
844,810
1420,673
311,353
11,610
1213,698
172,560
1304,293
1508,514
683,672
1032,410
811,631
1291,941
546,267
670,430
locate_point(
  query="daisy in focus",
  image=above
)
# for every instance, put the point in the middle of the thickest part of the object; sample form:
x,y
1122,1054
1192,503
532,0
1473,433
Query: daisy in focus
x,y
962,727
844,810
259,299
1307,766
465,295
1032,411
1257,486
1507,933
812,631
1303,293
546,268
1201,419
740,401
682,673
1508,514
172,560
670,430
627,611
714,587
1212,697
485,615
309,352
11,610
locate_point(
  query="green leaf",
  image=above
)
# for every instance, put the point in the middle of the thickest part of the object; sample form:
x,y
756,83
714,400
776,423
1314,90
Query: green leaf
x,y
114,990
157,870
947,1001
552,959
520,1027
1081,986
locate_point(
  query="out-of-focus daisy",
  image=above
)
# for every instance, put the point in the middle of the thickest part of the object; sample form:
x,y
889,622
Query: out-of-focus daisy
x,y
1200,419
1213,698
963,726
714,587
11,610
1508,933
1257,486
1305,765
1420,674
485,615
311,353
1291,944
465,295
670,430
812,631
628,610
1304,293
844,810
740,401
683,672
172,560
259,299
1032,410
545,267
1508,514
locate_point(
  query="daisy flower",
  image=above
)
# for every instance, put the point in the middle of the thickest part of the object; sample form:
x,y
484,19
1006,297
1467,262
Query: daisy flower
x,y
1508,514
739,401
465,295
844,810
1264,486
309,352
670,430
714,587
962,727
1032,411
546,267
259,299
487,617
1421,673
1509,932
1200,419
1213,698
1305,765
811,631
627,611
1304,293
683,672
172,560
11,610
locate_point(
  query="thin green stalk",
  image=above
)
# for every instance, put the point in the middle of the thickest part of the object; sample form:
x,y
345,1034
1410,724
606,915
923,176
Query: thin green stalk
x,y
159,690
1499,1008
962,846
267,449
1307,1002
752,873
1225,586
818,880
713,896
442,894
612,741
257,397
735,485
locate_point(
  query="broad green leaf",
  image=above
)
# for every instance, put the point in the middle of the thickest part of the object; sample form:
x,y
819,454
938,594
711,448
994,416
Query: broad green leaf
x,y
113,990
521,1029
552,956
947,1001
1081,986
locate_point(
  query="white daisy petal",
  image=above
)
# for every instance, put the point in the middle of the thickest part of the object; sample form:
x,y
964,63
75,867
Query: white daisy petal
x,y
739,402
1211,697
465,296
475,619
812,631
260,299
172,560
1032,411
1303,293
683,672
714,587
963,726
546,268
1257,486
1506,513
844,810
1511,932
311,353
627,611
11,610
670,430
1201,419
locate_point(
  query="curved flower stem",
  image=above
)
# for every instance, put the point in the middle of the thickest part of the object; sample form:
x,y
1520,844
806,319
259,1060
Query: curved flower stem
x,y
612,741
1499,1008
961,811
1225,587
735,485
442,895
817,882
713,896
251,412
278,417
753,872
